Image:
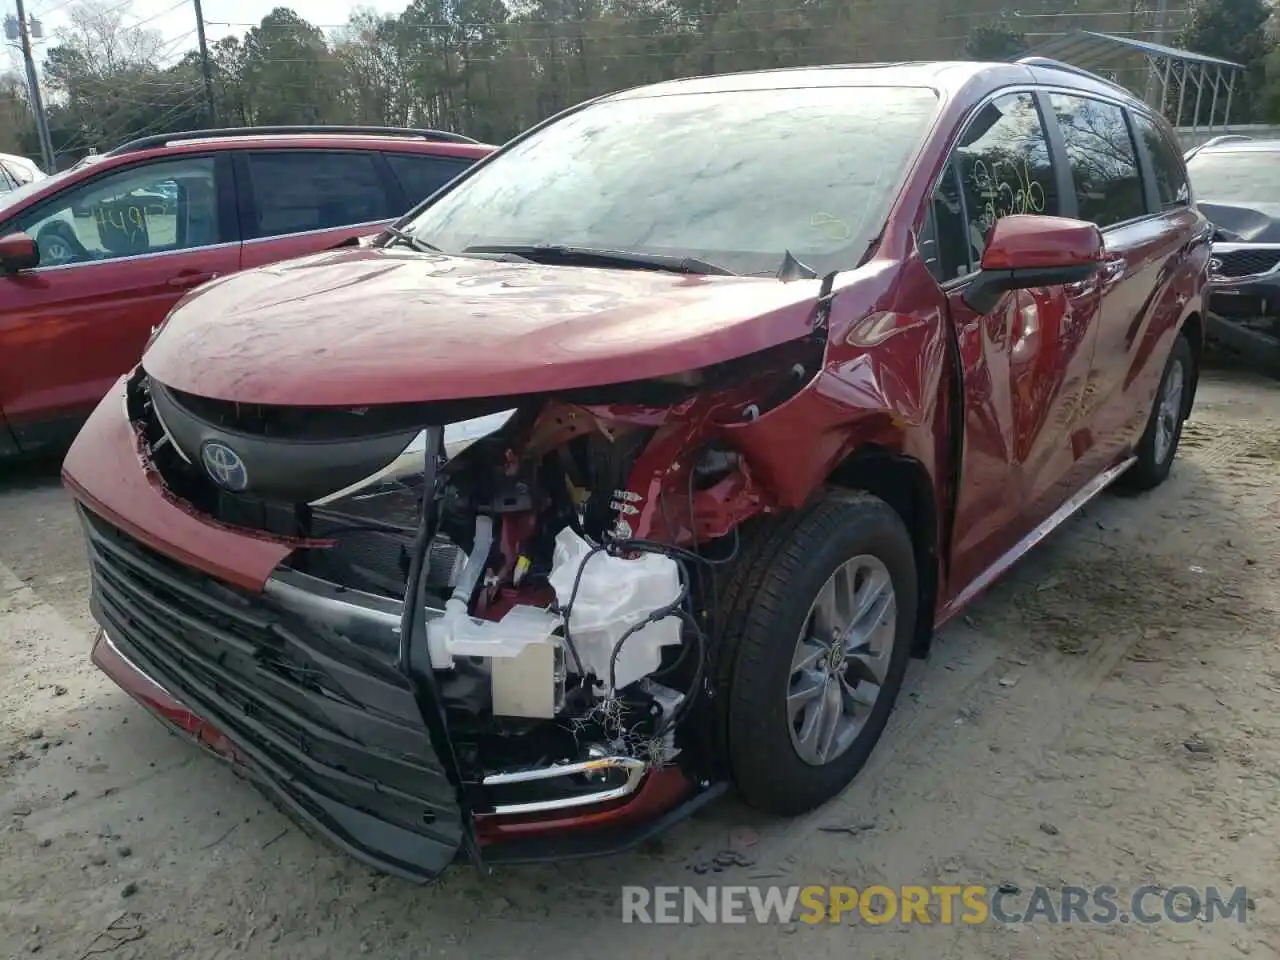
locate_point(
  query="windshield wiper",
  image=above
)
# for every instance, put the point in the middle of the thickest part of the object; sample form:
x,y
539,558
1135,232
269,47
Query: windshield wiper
x,y
409,240
558,253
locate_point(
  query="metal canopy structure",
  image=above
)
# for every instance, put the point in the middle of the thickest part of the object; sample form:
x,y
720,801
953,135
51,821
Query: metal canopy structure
x,y
1167,70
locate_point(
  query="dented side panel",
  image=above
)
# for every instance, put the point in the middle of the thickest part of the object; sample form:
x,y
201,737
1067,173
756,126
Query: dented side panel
x,y
882,384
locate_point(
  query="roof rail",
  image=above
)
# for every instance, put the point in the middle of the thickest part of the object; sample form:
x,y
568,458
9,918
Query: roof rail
x,y
163,139
1052,64
1222,138
1213,142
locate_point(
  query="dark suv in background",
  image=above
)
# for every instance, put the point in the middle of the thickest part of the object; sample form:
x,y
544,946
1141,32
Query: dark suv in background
x,y
91,259
1237,185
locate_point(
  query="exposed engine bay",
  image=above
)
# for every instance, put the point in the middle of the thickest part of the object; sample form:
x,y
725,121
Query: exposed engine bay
x,y
559,555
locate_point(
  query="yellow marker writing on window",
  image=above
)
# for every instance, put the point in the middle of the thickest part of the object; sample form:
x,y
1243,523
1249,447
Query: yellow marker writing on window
x,y
837,229
131,220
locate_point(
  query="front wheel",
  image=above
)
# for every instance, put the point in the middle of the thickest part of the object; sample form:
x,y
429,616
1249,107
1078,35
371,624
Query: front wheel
x,y
58,245
1159,441
825,633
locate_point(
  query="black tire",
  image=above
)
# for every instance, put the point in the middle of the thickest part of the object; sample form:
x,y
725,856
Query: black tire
x,y
768,604
1154,458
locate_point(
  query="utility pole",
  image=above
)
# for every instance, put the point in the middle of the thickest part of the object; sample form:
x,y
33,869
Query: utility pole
x,y
204,65
1155,86
33,84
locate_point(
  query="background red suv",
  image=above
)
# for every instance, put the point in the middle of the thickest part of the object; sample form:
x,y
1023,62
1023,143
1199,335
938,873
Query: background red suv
x,y
123,236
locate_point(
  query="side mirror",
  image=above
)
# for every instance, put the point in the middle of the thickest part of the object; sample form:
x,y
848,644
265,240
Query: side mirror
x,y
1025,250
18,252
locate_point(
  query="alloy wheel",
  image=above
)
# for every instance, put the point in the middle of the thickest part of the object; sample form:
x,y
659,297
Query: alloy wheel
x,y
1168,411
841,659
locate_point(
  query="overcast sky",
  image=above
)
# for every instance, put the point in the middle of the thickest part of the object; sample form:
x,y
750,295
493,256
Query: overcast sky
x,y
175,19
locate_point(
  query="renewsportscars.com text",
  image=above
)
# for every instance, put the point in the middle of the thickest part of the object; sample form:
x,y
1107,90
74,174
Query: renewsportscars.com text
x,y
936,904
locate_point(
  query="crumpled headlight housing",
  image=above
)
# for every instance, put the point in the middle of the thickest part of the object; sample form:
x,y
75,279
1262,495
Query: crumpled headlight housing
x,y
457,438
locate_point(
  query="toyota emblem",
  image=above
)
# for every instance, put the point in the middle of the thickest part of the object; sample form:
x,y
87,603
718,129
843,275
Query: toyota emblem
x,y
224,466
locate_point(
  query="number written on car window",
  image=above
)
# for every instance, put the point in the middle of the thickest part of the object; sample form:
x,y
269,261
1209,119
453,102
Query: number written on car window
x,y
1000,167
152,208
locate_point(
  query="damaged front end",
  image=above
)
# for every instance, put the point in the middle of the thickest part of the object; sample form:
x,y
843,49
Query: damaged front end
x,y
495,629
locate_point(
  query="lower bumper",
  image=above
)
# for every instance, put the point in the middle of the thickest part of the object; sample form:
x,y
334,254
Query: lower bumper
x,y
1245,299
366,835
304,693
663,799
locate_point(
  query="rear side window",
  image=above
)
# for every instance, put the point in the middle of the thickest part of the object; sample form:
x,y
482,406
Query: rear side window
x,y
422,175
1166,162
299,190
1104,162
1001,166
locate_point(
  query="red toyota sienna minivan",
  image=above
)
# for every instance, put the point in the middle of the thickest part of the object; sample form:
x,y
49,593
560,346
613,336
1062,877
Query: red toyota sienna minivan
x,y
637,461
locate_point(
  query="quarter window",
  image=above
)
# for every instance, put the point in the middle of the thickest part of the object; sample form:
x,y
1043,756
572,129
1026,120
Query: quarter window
x,y
296,191
422,175
1166,162
1104,162
152,208
945,243
1000,167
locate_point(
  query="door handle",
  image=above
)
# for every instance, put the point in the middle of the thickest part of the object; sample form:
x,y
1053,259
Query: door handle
x,y
187,280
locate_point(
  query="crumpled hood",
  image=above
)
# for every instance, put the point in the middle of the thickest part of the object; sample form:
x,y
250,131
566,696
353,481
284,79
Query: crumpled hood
x,y
365,326
1252,223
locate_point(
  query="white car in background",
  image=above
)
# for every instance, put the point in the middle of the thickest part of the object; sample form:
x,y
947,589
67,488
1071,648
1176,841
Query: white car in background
x,y
17,172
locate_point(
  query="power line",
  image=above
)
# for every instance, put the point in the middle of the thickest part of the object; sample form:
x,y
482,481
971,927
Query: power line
x,y
157,16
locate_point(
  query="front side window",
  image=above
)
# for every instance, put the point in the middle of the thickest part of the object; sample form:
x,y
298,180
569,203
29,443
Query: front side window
x,y
1104,161
296,191
1000,167
736,178
152,208
1236,176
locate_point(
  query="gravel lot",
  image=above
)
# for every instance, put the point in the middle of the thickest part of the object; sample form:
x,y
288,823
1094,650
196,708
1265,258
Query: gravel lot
x,y
1108,714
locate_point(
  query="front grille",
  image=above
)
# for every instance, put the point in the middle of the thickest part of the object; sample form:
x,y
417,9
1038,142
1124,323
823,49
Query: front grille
x,y
1242,263
189,482
331,728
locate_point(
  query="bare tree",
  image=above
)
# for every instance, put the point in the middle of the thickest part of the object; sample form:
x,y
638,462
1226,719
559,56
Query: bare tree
x,y
100,32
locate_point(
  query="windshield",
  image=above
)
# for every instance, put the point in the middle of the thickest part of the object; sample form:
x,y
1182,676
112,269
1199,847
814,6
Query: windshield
x,y
14,198
1236,176
734,178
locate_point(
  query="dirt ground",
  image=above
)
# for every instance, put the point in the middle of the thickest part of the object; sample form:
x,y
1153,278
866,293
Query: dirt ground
x,y
1109,714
